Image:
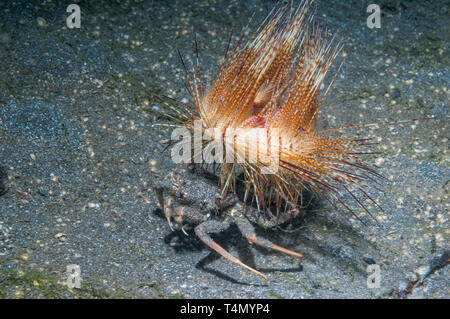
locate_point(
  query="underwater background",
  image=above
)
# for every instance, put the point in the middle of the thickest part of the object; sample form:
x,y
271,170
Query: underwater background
x,y
81,149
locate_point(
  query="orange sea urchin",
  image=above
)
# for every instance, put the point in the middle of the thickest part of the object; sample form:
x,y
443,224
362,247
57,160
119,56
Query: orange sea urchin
x,y
275,83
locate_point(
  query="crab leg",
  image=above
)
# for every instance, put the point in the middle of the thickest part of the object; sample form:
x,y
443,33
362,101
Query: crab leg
x,y
168,210
166,205
214,226
178,218
249,232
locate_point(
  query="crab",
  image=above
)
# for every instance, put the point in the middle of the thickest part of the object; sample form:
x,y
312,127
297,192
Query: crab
x,y
197,202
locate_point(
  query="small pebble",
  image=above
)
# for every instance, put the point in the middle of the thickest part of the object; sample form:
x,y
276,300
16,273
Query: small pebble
x,y
41,22
61,237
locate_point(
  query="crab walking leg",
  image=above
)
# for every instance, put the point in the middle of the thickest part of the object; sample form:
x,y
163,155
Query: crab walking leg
x,y
214,226
248,231
178,218
168,210
166,205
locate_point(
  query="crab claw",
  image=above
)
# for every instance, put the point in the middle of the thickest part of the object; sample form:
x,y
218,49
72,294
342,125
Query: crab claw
x,y
214,226
248,231
165,205
168,210
178,218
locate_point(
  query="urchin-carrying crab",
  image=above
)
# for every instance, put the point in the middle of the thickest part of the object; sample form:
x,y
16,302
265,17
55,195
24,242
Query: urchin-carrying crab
x,y
194,201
